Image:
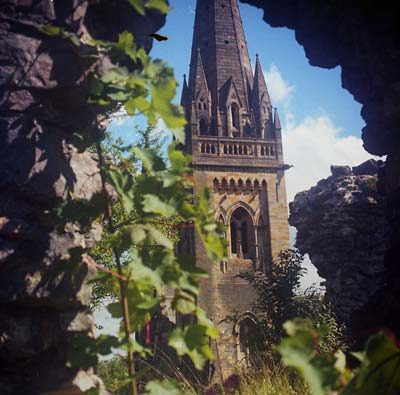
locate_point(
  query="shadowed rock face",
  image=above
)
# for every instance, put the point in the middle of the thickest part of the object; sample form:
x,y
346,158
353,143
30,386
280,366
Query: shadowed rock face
x,y
341,224
362,38
44,92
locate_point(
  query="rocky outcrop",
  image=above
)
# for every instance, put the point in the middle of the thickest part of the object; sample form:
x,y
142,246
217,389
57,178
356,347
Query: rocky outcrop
x,y
341,224
44,90
362,38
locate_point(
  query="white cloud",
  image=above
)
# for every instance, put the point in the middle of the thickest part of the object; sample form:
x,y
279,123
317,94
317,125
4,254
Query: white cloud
x,y
279,89
312,146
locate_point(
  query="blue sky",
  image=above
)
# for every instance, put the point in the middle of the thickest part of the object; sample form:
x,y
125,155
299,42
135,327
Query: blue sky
x,y
317,91
321,121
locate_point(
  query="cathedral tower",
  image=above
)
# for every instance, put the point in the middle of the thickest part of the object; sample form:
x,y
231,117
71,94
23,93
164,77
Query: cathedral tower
x,y
234,135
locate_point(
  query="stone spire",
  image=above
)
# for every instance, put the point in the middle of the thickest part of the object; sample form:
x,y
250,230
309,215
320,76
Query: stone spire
x,y
200,81
260,91
185,92
277,121
224,100
261,101
218,33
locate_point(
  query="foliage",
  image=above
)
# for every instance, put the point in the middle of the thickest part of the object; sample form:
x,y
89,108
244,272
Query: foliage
x,y
114,373
279,299
377,374
120,156
144,262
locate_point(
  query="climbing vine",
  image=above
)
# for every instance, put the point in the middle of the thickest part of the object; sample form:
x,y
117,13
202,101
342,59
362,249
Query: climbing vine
x,y
144,257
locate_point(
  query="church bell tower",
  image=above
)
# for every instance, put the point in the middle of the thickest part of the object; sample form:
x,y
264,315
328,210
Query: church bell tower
x,y
234,135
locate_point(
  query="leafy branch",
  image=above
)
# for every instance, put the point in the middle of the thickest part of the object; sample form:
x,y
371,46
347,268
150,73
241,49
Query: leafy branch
x,y
144,257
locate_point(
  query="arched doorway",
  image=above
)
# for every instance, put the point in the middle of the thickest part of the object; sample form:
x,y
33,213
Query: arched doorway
x,y
246,343
242,234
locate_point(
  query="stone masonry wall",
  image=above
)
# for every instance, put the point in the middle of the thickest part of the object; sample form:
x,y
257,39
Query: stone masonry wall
x,y
224,295
43,102
341,224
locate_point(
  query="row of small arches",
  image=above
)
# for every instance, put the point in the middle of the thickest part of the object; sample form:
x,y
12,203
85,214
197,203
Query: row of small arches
x,y
232,185
230,149
267,150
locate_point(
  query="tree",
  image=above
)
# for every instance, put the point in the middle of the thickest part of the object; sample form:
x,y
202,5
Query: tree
x,y
279,299
121,156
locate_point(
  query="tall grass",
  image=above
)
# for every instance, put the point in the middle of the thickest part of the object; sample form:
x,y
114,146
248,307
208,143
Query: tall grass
x,y
264,377
275,381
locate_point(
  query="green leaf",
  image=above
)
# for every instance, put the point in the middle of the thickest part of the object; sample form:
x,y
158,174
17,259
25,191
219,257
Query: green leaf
x,y
158,5
153,204
123,184
163,91
165,387
192,341
50,30
126,45
138,5
150,158
179,160
148,235
300,352
380,371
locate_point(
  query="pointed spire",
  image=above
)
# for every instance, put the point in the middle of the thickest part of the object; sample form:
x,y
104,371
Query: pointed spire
x,y
218,32
260,91
277,122
185,92
200,81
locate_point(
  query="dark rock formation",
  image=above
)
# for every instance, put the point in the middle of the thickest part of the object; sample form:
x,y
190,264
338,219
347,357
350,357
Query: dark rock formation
x,y
44,90
341,224
362,37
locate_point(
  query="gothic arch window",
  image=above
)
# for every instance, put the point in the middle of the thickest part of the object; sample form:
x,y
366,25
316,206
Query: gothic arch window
x,y
204,106
203,126
199,106
235,115
242,237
